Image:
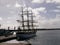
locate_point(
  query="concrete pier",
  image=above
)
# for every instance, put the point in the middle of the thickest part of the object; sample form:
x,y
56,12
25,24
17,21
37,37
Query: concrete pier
x,y
3,38
13,44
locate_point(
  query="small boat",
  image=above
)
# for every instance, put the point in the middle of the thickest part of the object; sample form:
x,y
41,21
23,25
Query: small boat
x,y
26,27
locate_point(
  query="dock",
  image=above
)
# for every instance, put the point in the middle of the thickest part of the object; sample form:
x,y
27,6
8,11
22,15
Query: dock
x,y
10,37
13,44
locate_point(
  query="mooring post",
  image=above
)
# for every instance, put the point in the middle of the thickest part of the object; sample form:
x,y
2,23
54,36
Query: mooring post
x,y
28,42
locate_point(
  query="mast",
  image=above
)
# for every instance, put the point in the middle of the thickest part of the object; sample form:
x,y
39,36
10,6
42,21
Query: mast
x,y
30,22
28,19
22,18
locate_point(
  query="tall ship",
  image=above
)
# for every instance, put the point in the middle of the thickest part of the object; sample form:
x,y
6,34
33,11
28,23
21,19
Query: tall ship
x,y
26,25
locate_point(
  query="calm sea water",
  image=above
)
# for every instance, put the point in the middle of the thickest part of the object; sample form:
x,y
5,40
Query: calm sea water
x,y
51,37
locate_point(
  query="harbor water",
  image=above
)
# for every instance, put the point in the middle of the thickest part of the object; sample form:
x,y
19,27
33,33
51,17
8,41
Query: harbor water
x,y
50,37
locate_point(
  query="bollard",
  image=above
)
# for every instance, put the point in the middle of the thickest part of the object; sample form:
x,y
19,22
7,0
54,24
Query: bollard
x,y
29,44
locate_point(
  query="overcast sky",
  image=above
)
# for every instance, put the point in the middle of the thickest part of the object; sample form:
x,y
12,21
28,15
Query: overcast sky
x,y
47,12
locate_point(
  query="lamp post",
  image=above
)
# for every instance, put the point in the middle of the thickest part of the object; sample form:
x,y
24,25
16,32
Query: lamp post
x,y
0,25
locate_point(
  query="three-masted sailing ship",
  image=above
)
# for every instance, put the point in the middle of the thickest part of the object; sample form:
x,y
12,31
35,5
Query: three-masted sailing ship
x,y
26,27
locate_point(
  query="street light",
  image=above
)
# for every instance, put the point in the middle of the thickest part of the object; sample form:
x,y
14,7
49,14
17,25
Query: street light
x,y
0,25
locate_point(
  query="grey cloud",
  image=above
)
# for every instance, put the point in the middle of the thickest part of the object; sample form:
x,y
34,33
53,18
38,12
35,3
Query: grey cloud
x,y
14,11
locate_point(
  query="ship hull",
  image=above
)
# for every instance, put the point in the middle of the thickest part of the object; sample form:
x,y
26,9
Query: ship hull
x,y
25,36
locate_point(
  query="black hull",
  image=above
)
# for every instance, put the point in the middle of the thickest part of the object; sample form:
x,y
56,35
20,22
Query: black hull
x,y
25,36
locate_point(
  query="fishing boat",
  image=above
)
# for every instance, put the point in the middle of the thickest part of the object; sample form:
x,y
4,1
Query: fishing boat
x,y
27,30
